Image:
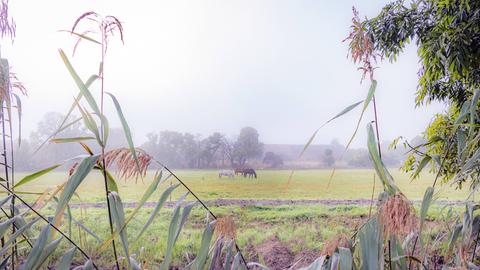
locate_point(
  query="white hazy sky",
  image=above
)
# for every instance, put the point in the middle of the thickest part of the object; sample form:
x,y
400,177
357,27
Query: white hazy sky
x,y
203,66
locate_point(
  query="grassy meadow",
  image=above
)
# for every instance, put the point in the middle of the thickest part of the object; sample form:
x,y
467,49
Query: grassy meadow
x,y
298,230
270,184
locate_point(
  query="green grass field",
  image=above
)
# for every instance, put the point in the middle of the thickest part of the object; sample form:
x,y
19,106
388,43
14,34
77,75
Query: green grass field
x,y
302,229
271,184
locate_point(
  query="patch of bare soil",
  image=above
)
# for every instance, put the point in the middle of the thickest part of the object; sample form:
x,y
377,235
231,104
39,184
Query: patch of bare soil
x,y
276,254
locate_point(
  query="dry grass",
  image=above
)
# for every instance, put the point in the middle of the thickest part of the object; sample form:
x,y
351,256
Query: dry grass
x,y
398,215
336,241
225,228
125,163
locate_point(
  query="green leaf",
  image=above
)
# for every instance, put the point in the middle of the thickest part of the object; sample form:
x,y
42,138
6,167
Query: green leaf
x,y
7,224
370,240
14,236
158,206
344,111
464,111
146,195
422,165
73,182
118,217
345,258
426,202
49,249
19,115
228,255
111,183
174,230
67,259
380,168
126,129
35,175
88,265
69,140
81,86
37,249
199,262
473,112
316,265
90,124
62,125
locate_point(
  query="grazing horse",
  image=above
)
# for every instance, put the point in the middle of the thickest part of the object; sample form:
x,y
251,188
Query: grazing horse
x,y
239,171
250,173
228,173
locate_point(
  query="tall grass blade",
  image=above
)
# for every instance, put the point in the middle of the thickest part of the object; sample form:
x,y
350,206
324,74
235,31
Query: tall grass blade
x,y
49,249
18,103
62,125
370,245
345,259
174,230
424,162
228,255
199,262
35,175
37,249
158,206
380,168
118,217
7,224
14,236
111,183
81,86
70,140
73,182
126,129
316,265
309,142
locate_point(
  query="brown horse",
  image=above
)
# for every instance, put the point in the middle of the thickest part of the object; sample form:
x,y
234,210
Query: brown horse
x,y
246,172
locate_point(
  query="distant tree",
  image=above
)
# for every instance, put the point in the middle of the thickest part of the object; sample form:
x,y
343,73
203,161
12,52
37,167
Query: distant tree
x,y
247,146
167,147
191,150
210,146
272,160
328,157
52,153
358,158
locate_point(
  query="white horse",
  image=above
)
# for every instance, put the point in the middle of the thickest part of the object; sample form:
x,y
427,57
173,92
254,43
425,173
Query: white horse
x,y
228,173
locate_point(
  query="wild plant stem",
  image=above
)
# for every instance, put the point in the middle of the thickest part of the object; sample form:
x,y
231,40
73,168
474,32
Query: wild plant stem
x,y
49,223
102,79
7,178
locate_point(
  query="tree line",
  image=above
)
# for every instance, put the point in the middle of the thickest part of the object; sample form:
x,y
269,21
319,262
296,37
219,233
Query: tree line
x,y
186,150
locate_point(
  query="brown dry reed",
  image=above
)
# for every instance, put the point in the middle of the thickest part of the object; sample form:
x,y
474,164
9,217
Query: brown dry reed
x,y
125,163
361,47
225,228
334,242
398,215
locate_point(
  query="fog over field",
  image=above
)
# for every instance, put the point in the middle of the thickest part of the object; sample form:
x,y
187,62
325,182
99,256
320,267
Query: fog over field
x,y
217,66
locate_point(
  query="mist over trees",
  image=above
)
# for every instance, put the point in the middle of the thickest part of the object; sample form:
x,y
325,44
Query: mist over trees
x,y
194,151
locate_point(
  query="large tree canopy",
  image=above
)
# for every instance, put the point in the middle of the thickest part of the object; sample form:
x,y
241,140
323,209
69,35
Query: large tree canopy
x,y
447,34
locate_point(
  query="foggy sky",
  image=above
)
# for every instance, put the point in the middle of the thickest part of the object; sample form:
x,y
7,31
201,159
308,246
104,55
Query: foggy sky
x,y
203,66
